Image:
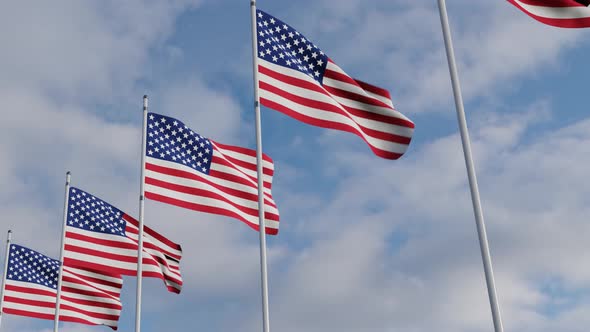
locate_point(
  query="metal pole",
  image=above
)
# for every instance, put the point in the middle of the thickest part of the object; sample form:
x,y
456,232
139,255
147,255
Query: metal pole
x,y
262,226
61,254
477,210
141,208
8,238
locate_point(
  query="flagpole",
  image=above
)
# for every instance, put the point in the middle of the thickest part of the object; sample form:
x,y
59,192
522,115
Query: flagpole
x,y
477,209
141,209
8,238
262,226
61,253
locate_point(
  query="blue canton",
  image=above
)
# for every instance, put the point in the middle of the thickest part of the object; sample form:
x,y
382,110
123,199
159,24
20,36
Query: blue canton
x,y
282,45
28,265
93,214
171,140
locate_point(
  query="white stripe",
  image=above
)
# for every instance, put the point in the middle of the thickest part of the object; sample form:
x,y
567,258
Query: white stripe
x,y
106,248
153,266
50,300
220,153
106,291
194,184
252,204
350,120
163,247
206,201
128,266
330,116
381,98
82,284
243,157
385,111
63,313
556,12
235,185
360,91
91,274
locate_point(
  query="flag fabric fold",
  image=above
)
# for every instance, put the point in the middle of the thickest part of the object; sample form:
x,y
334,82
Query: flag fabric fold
x,y
87,297
185,169
296,78
558,13
101,237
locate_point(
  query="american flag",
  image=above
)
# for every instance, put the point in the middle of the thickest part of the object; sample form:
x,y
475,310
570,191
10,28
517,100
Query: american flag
x,y
559,13
87,297
101,237
299,80
185,169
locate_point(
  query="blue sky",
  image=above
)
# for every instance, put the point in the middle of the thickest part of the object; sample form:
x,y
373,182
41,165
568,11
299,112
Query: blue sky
x,y
365,244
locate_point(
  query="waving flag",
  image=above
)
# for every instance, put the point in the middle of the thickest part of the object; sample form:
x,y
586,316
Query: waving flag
x,y
299,80
559,13
185,169
87,297
101,237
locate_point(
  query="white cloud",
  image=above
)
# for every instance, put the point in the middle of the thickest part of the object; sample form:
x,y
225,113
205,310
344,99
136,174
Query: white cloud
x,y
399,45
400,251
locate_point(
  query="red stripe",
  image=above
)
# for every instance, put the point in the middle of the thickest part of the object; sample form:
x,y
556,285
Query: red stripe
x,y
101,254
206,193
367,114
104,282
325,107
253,183
248,152
95,293
97,266
347,79
25,313
132,245
338,92
26,290
210,209
560,23
49,305
147,244
232,177
62,318
132,260
328,107
67,293
155,235
553,3
326,124
36,303
247,165
201,193
373,89
124,243
90,303
81,321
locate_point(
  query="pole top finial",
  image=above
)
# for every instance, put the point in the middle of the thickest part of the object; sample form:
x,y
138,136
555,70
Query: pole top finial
x,y
144,96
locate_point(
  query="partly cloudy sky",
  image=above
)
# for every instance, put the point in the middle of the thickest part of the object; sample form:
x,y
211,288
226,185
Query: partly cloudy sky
x,y
366,244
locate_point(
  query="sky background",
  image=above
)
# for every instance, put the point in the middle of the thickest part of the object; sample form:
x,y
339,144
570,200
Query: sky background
x,y
365,244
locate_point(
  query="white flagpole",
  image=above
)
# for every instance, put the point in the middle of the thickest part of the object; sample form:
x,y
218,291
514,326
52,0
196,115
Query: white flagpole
x,y
141,208
61,254
8,238
262,226
477,210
